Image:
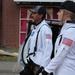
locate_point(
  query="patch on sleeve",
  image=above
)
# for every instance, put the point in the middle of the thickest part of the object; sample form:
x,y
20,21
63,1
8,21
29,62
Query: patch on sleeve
x,y
48,36
67,41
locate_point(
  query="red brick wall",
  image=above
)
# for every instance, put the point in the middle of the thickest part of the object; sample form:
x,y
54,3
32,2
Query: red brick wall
x,y
10,24
0,30
0,20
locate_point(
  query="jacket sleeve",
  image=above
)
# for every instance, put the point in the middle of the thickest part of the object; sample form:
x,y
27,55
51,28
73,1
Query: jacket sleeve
x,y
46,44
19,55
62,51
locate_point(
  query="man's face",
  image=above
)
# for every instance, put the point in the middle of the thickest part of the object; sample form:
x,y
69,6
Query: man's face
x,y
36,17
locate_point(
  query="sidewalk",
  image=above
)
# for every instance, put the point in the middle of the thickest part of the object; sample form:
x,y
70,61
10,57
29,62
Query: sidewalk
x,y
9,68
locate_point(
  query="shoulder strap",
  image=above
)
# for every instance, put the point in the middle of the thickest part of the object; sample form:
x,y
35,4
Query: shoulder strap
x,y
62,35
23,48
70,27
35,48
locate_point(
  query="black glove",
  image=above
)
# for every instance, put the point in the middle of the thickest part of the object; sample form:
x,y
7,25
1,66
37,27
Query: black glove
x,y
44,72
51,73
27,71
39,71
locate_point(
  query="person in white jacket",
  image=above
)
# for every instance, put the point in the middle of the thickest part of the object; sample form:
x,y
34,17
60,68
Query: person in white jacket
x,y
40,40
63,62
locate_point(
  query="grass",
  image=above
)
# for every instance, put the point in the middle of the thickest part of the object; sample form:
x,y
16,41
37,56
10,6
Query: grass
x,y
9,58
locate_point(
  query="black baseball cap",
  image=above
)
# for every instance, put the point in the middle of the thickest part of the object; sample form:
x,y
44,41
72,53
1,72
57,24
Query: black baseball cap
x,y
39,9
68,5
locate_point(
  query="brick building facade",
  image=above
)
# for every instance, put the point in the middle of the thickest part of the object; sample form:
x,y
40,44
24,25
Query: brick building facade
x,y
10,24
0,20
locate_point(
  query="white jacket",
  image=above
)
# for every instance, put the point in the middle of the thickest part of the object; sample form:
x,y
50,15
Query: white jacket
x,y
44,44
64,61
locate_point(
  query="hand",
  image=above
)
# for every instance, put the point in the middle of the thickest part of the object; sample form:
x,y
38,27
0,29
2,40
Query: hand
x,y
39,71
44,72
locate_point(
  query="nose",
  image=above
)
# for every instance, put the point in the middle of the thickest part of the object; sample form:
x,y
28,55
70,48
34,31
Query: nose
x,y
32,14
57,12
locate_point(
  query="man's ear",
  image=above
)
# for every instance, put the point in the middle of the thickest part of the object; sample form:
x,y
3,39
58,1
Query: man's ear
x,y
40,15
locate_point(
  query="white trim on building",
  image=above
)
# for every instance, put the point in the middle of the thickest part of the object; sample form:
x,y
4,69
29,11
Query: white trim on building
x,y
41,0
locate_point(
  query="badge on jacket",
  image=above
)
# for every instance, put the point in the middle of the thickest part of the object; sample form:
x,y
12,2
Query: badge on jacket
x,y
32,33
